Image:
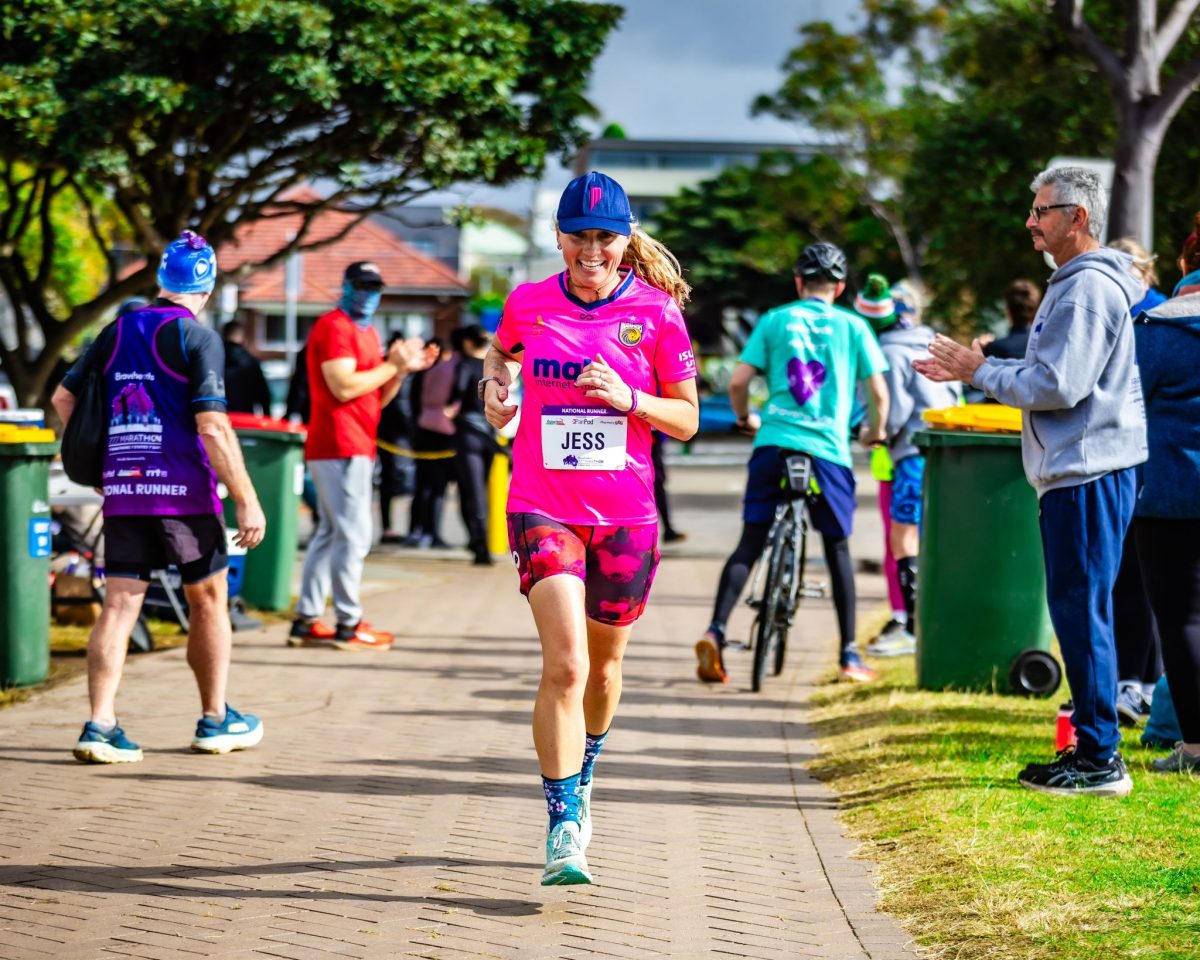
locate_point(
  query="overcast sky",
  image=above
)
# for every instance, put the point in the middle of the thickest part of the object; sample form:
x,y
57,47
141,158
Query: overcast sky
x,y
689,70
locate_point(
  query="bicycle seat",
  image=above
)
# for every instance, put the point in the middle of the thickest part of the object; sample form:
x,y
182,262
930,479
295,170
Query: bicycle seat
x,y
797,475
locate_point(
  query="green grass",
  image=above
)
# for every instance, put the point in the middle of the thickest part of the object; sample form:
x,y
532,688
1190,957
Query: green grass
x,y
975,866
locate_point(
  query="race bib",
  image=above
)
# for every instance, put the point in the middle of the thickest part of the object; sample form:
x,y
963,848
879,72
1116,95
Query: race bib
x,y
583,438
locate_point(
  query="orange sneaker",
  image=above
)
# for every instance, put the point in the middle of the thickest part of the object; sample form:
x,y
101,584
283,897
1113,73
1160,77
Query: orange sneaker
x,y
310,633
362,636
854,670
711,665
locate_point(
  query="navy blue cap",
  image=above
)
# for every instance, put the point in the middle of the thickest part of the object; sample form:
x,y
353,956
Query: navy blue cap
x,y
594,202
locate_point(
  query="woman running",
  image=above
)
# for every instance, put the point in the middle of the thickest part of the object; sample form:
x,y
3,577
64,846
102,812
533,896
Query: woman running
x,y
604,355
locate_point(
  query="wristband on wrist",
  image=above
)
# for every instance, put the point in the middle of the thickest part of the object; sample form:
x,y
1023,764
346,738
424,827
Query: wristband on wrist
x,y
633,402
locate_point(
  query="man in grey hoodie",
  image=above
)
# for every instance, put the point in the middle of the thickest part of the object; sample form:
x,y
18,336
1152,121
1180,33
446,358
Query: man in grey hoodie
x,y
1084,431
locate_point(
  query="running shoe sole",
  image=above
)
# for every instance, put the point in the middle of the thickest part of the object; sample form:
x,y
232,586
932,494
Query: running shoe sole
x,y
228,742
358,645
565,873
87,751
1117,788
709,668
885,650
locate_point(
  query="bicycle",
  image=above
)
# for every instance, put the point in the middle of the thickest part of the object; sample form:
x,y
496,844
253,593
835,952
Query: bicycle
x,y
780,572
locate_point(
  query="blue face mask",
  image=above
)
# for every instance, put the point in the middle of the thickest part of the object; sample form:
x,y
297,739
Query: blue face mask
x,y
360,304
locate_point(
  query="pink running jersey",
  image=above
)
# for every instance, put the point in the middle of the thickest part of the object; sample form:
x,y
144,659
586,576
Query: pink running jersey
x,y
640,333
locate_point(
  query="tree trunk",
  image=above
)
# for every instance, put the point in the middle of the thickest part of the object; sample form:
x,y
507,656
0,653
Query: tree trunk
x,y
1138,146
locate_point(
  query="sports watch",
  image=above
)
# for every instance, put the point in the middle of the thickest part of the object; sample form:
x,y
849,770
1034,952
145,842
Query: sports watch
x,y
482,385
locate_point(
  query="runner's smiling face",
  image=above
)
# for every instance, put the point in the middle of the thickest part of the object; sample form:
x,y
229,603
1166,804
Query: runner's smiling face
x,y
592,258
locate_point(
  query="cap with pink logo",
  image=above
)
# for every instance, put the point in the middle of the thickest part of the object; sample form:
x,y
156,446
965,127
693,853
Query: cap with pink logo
x,y
594,202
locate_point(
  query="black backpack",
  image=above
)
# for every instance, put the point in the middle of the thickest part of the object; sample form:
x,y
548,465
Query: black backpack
x,y
85,439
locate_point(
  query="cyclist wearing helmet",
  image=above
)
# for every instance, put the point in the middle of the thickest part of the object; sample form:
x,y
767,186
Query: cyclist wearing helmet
x,y
812,354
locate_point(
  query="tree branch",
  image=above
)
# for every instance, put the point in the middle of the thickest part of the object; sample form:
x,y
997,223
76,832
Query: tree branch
x,y
94,228
1080,33
1183,84
1172,28
46,222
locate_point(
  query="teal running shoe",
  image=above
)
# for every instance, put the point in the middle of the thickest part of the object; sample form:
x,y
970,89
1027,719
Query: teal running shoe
x,y
96,746
585,814
565,862
236,732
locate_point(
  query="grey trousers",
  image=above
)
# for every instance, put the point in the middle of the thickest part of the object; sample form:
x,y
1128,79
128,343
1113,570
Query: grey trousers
x,y
343,538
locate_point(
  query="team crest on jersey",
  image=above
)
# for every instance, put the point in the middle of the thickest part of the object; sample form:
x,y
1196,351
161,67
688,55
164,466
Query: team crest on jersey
x,y
630,334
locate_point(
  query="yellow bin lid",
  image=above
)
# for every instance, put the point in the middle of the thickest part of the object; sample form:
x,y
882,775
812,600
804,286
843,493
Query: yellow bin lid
x,y
15,433
985,417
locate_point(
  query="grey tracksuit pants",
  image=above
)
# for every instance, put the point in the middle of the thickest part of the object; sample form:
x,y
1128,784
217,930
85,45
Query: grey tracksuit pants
x,y
337,550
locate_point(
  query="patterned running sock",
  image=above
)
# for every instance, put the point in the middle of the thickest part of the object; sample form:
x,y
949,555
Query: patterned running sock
x,y
592,745
562,799
717,632
906,573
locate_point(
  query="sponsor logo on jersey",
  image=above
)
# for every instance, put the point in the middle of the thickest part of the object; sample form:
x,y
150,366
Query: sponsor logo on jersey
x,y
629,334
548,370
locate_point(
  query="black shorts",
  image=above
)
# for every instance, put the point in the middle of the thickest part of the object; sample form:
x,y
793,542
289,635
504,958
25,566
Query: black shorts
x,y
133,546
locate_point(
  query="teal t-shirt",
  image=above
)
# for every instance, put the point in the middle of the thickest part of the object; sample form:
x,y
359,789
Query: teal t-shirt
x,y
812,355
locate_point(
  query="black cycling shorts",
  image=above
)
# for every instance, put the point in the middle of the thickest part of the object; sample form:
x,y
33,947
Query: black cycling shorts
x,y
133,546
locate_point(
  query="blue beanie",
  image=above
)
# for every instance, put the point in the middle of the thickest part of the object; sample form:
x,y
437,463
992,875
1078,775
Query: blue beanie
x,y
188,265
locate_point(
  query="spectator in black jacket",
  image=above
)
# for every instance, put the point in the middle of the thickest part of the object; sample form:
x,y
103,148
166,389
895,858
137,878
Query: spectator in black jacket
x,y
1021,302
245,385
475,440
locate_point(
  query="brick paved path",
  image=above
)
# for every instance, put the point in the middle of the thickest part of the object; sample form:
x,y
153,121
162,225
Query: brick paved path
x,y
393,808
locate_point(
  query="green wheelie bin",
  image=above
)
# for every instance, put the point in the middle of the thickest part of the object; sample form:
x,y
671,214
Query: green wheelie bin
x,y
982,620
25,455
274,454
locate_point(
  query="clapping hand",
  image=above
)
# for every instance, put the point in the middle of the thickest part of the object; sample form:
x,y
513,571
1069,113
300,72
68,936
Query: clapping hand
x,y
411,355
950,361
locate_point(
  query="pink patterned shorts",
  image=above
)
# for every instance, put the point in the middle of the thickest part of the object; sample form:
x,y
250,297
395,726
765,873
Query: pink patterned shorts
x,y
615,563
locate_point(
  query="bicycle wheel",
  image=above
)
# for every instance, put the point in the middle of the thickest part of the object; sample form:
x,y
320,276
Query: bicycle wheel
x,y
766,636
796,579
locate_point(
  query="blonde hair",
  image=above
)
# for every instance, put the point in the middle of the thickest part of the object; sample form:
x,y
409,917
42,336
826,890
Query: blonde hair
x,y
657,265
1143,261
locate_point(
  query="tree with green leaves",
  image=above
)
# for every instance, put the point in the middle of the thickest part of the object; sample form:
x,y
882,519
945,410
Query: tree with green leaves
x,y
844,85
138,119
944,111
1150,73
738,235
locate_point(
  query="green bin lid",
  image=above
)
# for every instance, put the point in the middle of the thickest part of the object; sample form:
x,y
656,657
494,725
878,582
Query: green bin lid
x,y
965,438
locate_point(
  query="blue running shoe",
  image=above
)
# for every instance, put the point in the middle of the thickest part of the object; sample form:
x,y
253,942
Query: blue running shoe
x,y
585,814
239,731
96,746
565,862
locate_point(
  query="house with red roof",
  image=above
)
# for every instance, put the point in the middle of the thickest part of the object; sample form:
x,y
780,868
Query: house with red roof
x,y
421,296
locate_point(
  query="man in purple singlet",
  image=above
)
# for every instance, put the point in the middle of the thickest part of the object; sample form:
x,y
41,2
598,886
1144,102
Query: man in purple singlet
x,y
169,440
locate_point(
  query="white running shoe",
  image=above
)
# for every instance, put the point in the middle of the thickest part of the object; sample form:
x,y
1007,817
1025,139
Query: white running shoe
x,y
565,862
585,814
893,643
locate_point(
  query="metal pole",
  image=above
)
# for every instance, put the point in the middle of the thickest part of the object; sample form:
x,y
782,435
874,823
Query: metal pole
x,y
291,294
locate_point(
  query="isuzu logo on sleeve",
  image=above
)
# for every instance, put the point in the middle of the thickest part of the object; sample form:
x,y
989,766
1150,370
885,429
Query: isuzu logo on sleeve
x,y
630,334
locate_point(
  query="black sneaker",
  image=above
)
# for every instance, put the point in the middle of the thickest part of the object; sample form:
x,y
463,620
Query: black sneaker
x,y
1072,775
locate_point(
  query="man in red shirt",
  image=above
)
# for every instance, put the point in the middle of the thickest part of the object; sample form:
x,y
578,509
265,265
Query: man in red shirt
x,y
350,381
